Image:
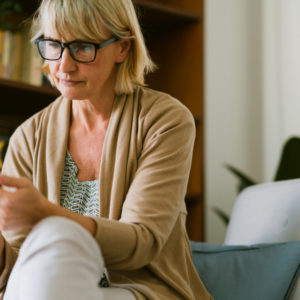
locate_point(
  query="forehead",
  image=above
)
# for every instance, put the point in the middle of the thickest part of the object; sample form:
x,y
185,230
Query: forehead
x,y
67,37
67,26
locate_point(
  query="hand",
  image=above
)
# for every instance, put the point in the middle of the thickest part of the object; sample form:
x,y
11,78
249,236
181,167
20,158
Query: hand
x,y
21,205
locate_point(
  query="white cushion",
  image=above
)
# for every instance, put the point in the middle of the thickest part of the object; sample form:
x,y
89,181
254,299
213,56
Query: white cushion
x,y
266,213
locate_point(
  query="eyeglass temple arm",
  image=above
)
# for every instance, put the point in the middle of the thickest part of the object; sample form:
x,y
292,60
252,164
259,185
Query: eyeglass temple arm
x,y
113,39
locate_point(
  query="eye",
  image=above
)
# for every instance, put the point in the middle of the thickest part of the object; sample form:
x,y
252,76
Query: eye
x,y
80,47
53,45
50,49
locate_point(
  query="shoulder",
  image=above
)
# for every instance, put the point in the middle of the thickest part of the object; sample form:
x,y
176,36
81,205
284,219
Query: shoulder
x,y
157,107
156,100
32,136
39,121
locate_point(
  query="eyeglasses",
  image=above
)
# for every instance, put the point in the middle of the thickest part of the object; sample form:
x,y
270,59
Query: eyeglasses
x,y
80,51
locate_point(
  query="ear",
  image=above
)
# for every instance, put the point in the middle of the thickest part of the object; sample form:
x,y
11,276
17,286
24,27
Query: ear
x,y
125,45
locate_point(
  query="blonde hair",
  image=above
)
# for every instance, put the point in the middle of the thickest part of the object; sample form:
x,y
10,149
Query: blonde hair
x,y
98,20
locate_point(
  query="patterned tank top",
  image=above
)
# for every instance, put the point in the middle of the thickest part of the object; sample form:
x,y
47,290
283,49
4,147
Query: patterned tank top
x,y
78,196
81,197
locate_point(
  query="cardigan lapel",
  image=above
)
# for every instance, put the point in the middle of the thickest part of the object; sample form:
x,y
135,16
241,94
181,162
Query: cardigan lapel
x,y
118,156
56,133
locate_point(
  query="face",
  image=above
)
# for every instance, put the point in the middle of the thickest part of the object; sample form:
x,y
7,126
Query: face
x,y
87,81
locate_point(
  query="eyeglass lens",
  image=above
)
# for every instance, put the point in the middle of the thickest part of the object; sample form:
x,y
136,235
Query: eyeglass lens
x,y
80,51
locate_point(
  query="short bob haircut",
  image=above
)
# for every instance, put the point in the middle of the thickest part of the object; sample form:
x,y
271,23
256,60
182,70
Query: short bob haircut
x,y
98,20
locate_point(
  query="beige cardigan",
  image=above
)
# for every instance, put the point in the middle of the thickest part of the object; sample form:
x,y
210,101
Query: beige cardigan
x,y
143,177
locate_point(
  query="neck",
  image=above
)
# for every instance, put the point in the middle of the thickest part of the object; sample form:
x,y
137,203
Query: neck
x,y
91,115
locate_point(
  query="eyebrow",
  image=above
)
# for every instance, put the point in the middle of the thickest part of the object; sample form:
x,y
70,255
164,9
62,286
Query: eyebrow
x,y
48,38
52,39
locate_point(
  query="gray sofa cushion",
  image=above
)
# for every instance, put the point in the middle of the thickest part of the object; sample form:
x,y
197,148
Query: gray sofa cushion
x,y
260,272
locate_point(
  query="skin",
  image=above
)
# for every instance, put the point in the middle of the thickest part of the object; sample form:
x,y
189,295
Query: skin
x,y
91,85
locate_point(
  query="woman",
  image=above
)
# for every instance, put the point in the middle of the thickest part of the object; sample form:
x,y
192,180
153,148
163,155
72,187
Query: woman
x,y
107,137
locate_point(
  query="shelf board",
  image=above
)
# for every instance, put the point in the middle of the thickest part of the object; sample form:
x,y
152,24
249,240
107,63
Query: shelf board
x,y
18,98
154,16
163,15
27,87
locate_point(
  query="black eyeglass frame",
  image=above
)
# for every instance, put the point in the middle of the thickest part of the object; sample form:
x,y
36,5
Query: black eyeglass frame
x,y
67,45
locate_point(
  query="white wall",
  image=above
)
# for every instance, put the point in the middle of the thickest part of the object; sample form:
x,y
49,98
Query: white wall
x,y
233,106
281,78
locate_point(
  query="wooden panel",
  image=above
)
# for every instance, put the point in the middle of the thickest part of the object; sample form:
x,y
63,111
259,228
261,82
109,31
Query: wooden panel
x,y
195,221
195,191
178,54
195,186
157,17
192,6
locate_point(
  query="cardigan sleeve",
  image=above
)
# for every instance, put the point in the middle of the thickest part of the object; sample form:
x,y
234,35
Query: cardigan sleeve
x,y
156,194
18,160
17,163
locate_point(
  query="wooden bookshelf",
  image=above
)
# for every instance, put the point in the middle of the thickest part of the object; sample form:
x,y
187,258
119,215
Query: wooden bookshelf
x,y
174,36
178,51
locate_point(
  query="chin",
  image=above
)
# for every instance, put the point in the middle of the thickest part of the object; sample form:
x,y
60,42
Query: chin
x,y
72,93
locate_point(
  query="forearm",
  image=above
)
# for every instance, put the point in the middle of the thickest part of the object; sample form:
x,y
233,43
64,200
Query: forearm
x,y
87,222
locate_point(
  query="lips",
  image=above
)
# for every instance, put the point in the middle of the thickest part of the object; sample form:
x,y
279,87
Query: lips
x,y
68,82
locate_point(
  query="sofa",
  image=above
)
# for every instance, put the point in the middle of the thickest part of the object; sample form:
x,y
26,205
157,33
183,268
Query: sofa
x,y
260,257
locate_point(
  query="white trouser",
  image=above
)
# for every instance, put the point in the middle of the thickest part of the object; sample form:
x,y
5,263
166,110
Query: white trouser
x,y
60,260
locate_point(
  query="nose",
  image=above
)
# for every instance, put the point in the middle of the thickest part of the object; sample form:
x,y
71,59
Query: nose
x,y
67,63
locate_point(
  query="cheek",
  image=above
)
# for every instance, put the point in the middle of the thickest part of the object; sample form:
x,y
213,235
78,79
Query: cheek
x,y
53,67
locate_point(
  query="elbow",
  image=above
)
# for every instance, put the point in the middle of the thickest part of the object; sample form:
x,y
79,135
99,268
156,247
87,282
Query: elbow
x,y
147,248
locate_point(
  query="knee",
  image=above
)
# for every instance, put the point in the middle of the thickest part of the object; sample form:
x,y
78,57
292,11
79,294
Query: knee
x,y
53,228
57,254
63,233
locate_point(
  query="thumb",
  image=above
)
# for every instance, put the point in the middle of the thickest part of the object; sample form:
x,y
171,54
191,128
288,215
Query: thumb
x,y
13,181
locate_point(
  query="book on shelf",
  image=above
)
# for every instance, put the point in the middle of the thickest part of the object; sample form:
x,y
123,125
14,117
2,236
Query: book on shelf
x,y
31,67
7,54
36,74
19,58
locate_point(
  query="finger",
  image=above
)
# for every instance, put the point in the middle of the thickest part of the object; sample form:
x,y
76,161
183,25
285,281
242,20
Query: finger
x,y
13,181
